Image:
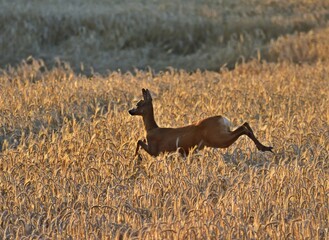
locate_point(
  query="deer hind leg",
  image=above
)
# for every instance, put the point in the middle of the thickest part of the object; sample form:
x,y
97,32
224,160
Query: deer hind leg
x,y
223,138
251,135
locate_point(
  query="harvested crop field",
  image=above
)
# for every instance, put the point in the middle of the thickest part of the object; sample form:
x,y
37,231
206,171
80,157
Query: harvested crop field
x,y
67,142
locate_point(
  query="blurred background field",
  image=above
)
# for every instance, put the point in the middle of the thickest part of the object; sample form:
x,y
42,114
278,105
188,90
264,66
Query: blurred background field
x,y
67,169
189,34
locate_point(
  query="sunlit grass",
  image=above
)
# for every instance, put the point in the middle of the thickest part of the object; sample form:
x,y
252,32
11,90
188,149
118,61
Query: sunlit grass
x,y
67,142
67,167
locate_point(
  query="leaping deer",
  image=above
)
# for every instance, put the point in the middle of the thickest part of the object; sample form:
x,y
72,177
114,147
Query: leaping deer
x,y
210,132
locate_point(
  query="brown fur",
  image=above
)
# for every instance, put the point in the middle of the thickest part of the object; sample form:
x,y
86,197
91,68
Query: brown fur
x,y
211,132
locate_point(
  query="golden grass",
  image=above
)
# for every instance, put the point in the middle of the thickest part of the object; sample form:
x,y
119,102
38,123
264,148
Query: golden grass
x,y
67,168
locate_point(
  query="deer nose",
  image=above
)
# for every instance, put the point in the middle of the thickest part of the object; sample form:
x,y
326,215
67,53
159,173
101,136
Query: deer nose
x,y
131,112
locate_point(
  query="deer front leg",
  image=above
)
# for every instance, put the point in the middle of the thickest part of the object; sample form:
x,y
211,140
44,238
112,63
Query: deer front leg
x,y
251,135
150,150
140,143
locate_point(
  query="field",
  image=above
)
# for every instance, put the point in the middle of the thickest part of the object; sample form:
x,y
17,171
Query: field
x,y
67,142
101,35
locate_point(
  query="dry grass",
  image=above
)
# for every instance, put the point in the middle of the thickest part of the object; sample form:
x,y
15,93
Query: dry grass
x,y
188,34
67,168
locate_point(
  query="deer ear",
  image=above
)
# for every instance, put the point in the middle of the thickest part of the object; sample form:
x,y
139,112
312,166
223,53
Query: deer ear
x,y
144,93
149,98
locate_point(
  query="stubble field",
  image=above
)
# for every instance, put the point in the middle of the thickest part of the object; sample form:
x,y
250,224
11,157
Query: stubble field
x,y
67,169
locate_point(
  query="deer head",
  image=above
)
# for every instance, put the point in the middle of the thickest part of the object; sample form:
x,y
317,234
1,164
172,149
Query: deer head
x,y
144,106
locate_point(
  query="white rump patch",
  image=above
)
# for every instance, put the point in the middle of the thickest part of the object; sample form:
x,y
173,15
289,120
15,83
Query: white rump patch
x,y
227,122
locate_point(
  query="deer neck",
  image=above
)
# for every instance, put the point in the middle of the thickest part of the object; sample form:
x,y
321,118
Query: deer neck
x,y
149,121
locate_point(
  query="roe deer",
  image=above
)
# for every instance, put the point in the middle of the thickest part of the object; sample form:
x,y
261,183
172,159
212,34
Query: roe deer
x,y
210,132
